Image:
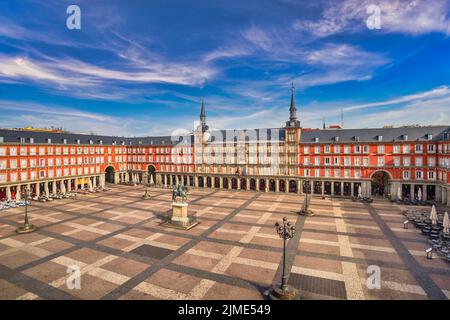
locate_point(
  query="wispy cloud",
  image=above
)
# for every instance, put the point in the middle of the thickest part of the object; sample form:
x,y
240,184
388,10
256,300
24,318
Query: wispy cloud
x,y
410,17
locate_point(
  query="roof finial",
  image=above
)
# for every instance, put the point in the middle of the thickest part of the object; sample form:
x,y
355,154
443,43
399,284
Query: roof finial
x,y
293,122
324,126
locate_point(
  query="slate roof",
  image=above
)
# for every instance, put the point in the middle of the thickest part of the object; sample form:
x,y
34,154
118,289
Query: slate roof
x,y
275,134
372,134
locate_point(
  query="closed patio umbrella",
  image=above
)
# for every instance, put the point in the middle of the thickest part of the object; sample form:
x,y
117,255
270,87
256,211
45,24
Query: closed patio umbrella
x,y
446,222
359,191
399,193
433,215
419,194
151,180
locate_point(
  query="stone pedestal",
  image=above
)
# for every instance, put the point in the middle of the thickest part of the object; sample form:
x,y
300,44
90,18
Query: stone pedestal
x,y
179,213
180,218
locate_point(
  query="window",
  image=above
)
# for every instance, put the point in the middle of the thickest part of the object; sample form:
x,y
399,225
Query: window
x,y
327,161
419,175
418,148
366,161
13,151
306,150
431,175
405,174
431,162
327,149
317,149
357,149
406,161
380,161
380,149
366,149
406,148
337,149
347,149
431,148
396,149
396,162
357,161
2,151
419,161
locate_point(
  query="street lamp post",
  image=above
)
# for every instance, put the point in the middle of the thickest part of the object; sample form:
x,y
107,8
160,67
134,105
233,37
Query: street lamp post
x,y
286,231
27,226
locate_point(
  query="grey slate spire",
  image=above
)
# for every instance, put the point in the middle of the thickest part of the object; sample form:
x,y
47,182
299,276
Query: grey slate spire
x,y
203,117
293,122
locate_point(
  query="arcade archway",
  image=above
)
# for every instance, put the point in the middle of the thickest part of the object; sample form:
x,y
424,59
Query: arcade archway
x,y
380,183
110,174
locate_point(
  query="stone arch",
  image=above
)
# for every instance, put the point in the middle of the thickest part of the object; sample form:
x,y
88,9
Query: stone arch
x,y
110,174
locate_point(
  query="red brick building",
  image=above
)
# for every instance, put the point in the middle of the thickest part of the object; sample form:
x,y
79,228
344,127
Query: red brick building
x,y
335,162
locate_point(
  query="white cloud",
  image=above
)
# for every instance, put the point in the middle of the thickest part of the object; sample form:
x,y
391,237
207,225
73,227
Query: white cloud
x,y
403,16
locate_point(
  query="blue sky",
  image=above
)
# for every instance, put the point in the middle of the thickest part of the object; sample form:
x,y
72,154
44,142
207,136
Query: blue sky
x,y
141,67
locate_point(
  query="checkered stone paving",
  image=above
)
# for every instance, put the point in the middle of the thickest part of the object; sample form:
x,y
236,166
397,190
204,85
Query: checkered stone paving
x,y
116,244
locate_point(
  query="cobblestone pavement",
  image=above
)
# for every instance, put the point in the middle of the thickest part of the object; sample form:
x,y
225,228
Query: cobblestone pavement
x,y
116,241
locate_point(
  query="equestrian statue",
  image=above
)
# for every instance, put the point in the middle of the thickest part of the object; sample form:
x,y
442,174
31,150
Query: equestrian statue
x,y
180,191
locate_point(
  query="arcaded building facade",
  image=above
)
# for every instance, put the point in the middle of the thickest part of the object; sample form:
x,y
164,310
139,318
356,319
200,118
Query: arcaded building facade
x,y
331,162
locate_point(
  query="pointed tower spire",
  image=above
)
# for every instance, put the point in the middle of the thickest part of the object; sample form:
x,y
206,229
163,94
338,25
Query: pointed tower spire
x,y
293,122
292,110
203,117
324,126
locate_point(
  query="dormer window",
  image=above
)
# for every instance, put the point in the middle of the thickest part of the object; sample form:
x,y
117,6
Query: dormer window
x,y
100,141
316,139
91,142
336,139
429,136
49,141
380,138
114,143
64,141
405,137
122,143
356,138
22,140
31,140
2,139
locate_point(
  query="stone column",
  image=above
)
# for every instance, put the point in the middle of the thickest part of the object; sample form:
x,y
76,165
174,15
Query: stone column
x,y
300,186
438,193
323,187
277,185
412,194
8,193
286,185
424,192
196,181
38,189
444,195
257,184
352,189
332,188
46,191
239,183
54,187
229,183
342,189
247,180
220,182
448,196
94,181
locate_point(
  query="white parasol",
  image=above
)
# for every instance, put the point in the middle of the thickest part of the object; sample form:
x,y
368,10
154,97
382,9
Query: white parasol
x,y
433,215
419,194
446,222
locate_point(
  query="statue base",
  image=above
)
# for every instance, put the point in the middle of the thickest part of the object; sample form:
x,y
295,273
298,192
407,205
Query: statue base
x,y
180,218
277,293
